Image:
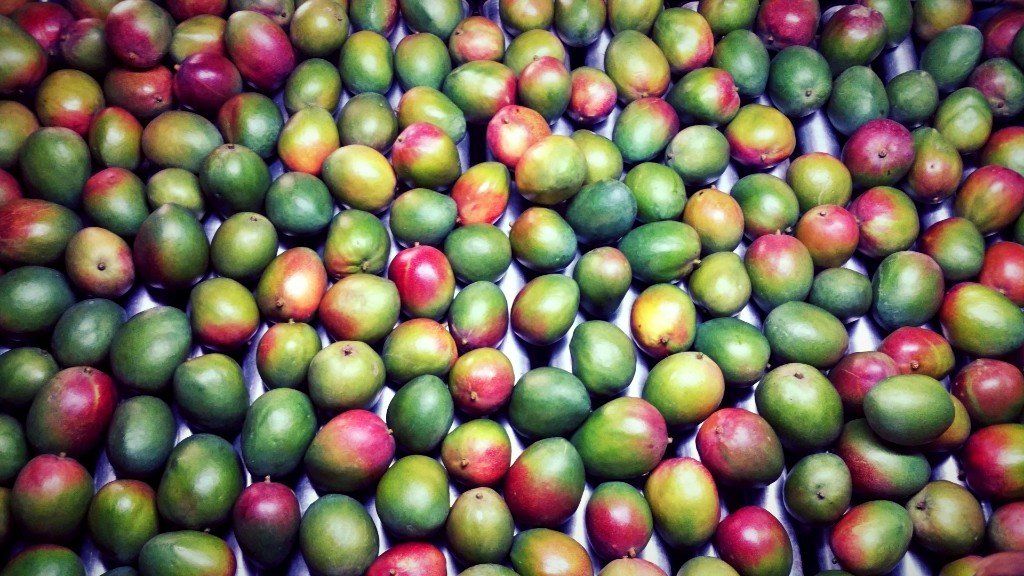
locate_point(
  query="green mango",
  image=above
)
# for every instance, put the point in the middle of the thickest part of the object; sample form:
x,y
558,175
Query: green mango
x,y
644,129
548,402
545,309
478,252
23,371
357,241
604,276
720,284
799,81
532,45
171,249
252,120
479,528
176,186
603,357
981,321
299,203
337,537
422,216
426,104
186,553
381,16
13,449
801,332
684,502
913,97
243,246
235,177
661,251
685,387
909,410
344,376
768,203
964,119
315,82
952,55
542,240
858,96
122,518
202,480
368,119
947,518
210,392
83,335
660,193
604,160
699,154
818,489
319,27
412,497
439,17
579,22
149,347
480,88
180,139
18,123
742,54
55,165
141,437
478,317
551,170
366,63
602,212
907,290
739,349
422,59
279,426
32,300
801,405
46,559
636,65
420,414
843,292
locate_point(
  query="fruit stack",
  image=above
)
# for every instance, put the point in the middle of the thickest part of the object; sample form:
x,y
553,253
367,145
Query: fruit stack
x,y
513,288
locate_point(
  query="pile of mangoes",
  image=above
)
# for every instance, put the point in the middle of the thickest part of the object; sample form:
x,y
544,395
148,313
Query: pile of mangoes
x,y
258,248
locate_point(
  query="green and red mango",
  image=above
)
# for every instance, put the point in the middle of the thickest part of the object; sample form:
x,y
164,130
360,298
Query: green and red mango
x,y
755,543
544,485
477,453
618,520
481,381
265,520
350,452
740,448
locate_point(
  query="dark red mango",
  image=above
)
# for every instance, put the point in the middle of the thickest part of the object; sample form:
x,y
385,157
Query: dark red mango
x,y
260,49
266,520
919,350
144,93
44,21
992,197
992,391
879,153
754,542
740,448
619,521
993,460
425,281
1003,270
782,23
1000,30
514,129
857,373
206,81
71,413
409,559
184,9
139,32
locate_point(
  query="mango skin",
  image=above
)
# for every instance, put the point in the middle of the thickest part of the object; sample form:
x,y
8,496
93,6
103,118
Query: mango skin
x,y
545,484
412,497
800,332
947,518
186,553
545,309
877,469
625,438
818,489
45,559
872,537
202,480
149,346
801,405
535,551
981,321
141,437
278,428
683,517
907,290
908,409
